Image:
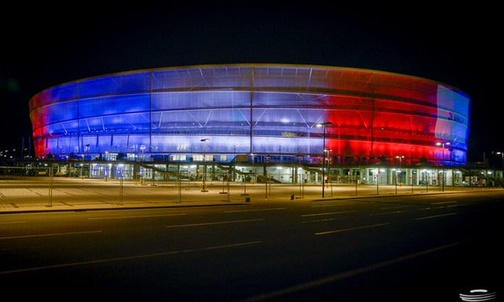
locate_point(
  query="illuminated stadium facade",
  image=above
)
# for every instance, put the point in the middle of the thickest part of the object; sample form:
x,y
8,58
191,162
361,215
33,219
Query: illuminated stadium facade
x,y
255,114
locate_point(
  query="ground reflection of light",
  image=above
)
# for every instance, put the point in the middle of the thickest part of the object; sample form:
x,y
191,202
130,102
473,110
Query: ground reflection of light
x,y
478,295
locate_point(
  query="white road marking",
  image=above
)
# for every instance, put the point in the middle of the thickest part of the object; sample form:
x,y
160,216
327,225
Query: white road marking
x,y
136,216
387,213
435,216
326,213
344,275
351,229
50,234
211,223
319,220
108,260
254,210
395,207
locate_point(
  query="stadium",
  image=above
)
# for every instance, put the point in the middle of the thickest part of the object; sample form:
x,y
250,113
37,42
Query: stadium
x,y
283,123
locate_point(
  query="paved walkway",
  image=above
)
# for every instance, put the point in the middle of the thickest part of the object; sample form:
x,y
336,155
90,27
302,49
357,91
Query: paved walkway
x,y
72,194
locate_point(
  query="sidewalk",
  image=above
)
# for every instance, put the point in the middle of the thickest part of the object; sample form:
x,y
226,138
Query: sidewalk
x,y
63,194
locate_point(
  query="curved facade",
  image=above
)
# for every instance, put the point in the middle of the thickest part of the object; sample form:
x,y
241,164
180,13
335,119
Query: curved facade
x,y
268,112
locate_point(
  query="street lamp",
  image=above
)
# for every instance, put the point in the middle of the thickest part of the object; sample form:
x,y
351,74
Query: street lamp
x,y
203,188
443,160
323,126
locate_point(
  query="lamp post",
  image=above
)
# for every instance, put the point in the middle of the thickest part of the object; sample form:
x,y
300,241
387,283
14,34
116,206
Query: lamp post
x,y
442,144
82,167
395,179
141,169
203,188
324,126
377,181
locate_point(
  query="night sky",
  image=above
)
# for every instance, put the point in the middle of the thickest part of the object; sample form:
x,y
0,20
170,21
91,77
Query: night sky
x,y
47,46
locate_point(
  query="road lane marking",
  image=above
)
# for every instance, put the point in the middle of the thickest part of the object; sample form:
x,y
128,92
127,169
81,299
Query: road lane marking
x,y
211,223
453,206
50,234
351,229
136,216
395,207
326,213
117,259
254,210
387,213
327,205
344,275
435,216
319,220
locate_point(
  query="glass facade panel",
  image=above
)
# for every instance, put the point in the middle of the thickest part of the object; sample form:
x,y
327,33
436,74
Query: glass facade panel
x,y
267,110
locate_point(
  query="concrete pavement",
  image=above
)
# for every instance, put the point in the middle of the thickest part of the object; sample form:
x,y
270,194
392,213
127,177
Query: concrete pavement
x,y
38,194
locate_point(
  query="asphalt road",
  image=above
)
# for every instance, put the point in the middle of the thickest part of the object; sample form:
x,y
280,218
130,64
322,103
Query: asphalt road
x,y
395,248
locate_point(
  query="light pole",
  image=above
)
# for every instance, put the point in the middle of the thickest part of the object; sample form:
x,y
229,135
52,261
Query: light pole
x,y
82,167
141,169
324,126
443,162
203,188
377,181
395,179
